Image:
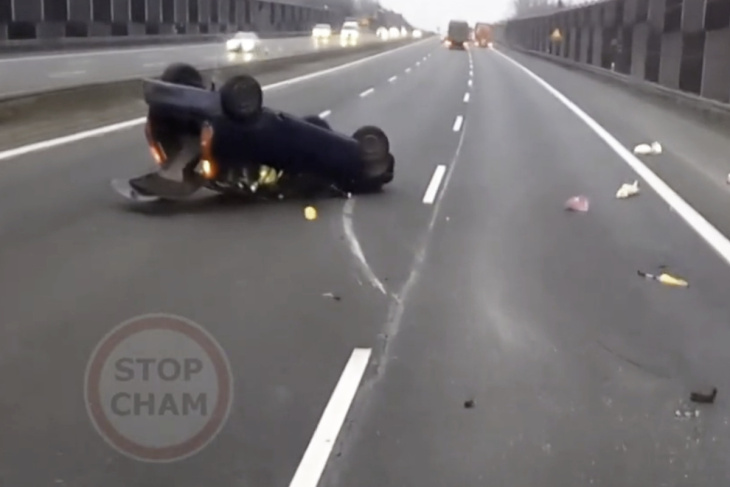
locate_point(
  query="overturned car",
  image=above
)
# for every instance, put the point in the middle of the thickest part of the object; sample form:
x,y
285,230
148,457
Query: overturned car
x,y
226,140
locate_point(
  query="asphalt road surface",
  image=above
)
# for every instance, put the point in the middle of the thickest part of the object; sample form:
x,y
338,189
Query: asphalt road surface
x,y
38,73
507,342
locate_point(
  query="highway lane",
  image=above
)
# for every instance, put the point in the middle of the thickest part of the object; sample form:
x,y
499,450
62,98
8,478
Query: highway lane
x,y
575,367
492,293
694,159
75,261
32,74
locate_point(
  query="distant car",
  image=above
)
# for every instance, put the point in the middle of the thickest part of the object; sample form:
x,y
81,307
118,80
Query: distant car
x,y
350,31
322,31
228,142
246,42
394,32
417,33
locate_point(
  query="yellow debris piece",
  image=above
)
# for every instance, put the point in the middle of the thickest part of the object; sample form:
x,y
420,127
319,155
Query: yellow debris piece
x,y
310,213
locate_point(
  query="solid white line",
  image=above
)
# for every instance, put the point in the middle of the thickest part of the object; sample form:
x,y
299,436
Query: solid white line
x,y
367,92
88,134
692,217
392,79
325,114
315,458
466,97
457,123
356,249
433,186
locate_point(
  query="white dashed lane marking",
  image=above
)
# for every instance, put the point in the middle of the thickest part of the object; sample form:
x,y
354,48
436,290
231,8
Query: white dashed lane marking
x,y
325,114
433,186
367,92
466,97
457,123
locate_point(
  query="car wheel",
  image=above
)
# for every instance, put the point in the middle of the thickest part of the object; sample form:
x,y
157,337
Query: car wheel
x,y
318,121
374,151
242,98
183,74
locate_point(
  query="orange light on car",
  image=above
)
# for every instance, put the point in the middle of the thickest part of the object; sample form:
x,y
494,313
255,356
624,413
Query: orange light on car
x,y
158,153
207,162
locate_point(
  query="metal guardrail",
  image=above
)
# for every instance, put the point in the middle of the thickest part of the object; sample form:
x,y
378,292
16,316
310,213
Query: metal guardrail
x,y
119,42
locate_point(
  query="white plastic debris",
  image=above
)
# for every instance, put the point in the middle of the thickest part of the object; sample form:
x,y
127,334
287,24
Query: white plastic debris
x,y
627,190
652,149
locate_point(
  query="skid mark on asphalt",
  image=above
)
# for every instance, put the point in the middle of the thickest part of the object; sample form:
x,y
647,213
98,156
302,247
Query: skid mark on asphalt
x,y
355,247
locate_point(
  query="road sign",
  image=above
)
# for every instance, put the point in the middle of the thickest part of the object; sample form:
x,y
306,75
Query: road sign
x,y
158,388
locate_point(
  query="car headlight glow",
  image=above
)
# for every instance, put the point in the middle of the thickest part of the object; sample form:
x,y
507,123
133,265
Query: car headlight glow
x,y
232,44
248,45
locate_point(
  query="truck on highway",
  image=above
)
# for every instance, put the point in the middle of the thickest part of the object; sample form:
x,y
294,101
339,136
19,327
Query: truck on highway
x,y
483,35
458,34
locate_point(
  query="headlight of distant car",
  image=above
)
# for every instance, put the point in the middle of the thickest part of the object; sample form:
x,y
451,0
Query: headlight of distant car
x,y
321,33
382,33
233,45
417,34
394,32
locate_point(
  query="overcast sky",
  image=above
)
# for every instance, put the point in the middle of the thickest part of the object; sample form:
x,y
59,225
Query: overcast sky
x,y
429,14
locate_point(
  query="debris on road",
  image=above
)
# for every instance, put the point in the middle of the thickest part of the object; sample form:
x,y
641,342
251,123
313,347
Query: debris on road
x,y
704,397
664,278
655,148
310,213
627,190
469,404
331,295
578,203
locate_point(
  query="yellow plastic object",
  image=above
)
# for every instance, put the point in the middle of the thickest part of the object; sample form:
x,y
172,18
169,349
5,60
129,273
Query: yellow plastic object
x,y
310,213
672,281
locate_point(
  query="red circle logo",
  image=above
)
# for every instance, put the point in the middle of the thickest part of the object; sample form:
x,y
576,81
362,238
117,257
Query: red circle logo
x,y
158,388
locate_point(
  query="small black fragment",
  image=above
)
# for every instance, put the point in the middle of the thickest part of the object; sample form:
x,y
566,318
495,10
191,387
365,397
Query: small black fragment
x,y
336,298
704,398
469,404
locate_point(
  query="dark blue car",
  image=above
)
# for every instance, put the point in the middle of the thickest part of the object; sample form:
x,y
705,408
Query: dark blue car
x,y
227,141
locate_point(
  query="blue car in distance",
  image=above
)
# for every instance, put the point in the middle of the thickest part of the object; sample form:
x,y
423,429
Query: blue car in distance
x,y
227,141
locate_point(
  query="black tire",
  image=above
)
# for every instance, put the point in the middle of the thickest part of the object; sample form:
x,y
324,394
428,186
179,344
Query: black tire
x,y
183,74
377,160
318,121
242,98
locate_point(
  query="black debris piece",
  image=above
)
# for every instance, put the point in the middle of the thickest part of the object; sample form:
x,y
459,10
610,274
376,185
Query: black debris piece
x,y
469,404
704,397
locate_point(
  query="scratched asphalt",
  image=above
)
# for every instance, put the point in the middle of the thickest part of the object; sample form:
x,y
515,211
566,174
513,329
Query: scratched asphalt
x,y
576,367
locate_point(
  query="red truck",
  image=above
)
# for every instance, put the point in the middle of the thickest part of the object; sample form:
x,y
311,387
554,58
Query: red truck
x,y
483,35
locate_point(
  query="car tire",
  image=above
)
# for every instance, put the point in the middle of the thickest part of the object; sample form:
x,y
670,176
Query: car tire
x,y
183,74
318,121
374,150
378,162
242,98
